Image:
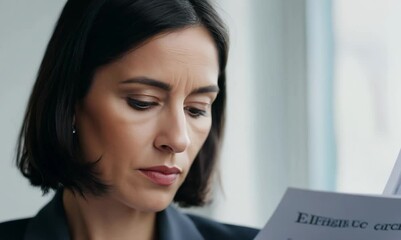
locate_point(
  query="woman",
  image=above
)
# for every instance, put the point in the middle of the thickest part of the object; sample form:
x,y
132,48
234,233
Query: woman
x,y
125,117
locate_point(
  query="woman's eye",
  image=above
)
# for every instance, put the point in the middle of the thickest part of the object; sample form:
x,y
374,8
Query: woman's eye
x,y
195,112
140,105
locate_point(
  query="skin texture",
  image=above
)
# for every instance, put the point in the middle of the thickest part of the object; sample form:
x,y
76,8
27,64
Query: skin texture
x,y
132,123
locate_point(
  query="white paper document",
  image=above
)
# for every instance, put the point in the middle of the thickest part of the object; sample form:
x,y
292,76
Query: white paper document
x,y
393,186
317,215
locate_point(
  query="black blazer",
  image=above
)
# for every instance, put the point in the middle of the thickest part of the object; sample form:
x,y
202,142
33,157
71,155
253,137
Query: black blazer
x,y
51,224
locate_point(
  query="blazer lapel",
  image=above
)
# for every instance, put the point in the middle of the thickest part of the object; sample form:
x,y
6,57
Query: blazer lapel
x,y
173,225
50,223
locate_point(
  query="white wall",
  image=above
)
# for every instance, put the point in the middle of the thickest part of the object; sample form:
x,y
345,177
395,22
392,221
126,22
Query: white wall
x,y
367,92
25,27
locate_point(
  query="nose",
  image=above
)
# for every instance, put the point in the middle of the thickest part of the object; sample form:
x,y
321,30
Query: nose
x,y
173,133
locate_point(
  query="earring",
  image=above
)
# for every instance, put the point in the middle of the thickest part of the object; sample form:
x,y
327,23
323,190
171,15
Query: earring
x,y
73,125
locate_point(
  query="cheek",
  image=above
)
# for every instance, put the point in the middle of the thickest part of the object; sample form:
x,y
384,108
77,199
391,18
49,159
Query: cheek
x,y
107,128
199,131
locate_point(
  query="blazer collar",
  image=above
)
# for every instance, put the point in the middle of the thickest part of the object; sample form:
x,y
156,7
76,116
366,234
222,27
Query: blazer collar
x,y
51,223
173,225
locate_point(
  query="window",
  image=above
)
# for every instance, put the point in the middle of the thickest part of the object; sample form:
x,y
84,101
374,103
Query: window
x,y
367,86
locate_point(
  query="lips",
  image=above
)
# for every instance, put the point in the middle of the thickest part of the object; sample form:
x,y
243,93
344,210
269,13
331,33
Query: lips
x,y
161,175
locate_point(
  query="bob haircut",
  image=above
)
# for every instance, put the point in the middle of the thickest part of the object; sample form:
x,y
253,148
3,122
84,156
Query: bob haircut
x,y
88,35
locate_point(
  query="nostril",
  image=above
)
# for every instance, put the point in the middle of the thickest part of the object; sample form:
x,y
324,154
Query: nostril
x,y
167,148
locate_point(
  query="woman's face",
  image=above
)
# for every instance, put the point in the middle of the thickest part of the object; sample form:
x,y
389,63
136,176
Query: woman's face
x,y
147,115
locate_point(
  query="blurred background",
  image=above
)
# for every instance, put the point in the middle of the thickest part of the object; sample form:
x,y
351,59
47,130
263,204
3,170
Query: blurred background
x,y
314,100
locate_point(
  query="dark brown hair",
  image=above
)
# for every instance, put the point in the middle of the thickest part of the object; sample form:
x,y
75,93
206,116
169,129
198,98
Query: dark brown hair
x,y
90,34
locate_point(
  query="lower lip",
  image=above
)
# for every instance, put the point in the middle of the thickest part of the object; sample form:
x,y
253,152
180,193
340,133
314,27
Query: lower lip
x,y
160,178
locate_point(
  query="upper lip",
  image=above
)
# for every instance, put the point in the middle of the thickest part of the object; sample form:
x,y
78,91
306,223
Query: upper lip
x,y
163,169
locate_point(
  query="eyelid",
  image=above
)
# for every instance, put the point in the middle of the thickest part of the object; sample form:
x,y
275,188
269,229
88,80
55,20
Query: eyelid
x,y
198,104
141,105
198,109
143,97
203,98
196,112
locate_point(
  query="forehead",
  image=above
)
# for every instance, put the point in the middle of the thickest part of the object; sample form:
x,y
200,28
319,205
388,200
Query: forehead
x,y
184,53
194,43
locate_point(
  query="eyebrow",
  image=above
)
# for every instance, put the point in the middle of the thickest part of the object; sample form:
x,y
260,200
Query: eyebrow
x,y
167,87
207,89
149,82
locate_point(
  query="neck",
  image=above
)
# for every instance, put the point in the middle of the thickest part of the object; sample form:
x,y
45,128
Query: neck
x,y
104,218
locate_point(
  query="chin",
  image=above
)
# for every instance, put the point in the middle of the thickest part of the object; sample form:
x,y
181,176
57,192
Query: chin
x,y
155,205
150,202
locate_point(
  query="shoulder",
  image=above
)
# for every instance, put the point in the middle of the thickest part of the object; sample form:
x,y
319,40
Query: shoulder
x,y
174,224
13,230
211,229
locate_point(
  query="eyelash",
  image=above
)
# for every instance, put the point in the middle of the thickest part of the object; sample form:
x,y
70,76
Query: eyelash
x,y
140,105
195,112
144,105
